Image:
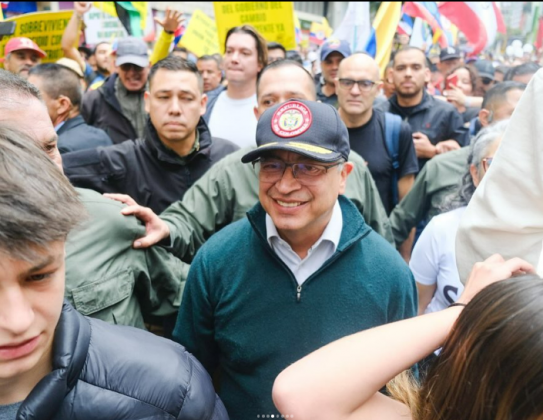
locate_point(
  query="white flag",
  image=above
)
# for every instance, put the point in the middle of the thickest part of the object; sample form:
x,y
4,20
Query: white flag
x,y
355,27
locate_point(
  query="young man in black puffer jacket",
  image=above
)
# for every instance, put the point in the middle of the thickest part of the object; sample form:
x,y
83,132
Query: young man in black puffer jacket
x,y
55,363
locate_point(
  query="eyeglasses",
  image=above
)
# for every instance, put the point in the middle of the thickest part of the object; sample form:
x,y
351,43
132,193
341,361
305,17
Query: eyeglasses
x,y
486,163
486,80
363,85
272,170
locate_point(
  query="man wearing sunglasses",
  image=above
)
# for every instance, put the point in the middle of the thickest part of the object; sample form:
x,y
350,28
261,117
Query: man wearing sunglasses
x,y
357,87
117,107
485,77
301,270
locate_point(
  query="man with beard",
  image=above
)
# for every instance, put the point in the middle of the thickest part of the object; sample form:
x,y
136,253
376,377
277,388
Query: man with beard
x,y
437,126
21,54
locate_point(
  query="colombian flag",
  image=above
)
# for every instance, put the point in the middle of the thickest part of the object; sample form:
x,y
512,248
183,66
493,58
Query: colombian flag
x,y
132,14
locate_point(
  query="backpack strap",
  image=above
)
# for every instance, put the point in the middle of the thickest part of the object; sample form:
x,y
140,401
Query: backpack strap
x,y
393,124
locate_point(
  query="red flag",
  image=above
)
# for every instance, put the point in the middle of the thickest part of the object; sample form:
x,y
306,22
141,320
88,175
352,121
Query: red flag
x,y
500,23
418,9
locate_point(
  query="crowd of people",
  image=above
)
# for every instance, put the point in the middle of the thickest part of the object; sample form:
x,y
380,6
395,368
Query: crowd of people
x,y
242,237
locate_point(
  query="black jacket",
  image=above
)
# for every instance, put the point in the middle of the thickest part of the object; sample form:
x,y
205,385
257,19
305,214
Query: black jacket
x,y
100,108
75,135
150,173
438,119
101,371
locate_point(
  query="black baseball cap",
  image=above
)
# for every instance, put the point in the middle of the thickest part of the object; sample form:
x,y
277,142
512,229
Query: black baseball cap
x,y
449,53
311,129
485,68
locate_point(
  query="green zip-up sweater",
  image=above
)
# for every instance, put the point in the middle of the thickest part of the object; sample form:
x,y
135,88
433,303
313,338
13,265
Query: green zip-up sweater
x,y
242,309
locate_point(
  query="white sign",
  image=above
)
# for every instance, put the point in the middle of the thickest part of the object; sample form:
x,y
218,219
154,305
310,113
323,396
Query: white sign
x,y
101,27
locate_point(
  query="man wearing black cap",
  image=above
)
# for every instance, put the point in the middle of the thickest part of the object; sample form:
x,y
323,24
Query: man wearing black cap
x,y
301,270
485,77
449,58
332,52
117,107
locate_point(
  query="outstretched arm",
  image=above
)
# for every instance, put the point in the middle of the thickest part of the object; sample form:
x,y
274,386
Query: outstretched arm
x,y
342,380
71,33
172,20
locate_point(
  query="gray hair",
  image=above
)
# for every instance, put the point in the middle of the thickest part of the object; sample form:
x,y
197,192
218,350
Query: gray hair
x,y
37,203
14,88
479,146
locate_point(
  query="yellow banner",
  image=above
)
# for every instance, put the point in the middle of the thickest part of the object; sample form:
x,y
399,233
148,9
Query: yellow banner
x,y
200,37
274,20
44,28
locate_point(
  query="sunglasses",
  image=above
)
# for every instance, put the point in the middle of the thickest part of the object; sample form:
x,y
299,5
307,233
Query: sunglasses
x,y
487,80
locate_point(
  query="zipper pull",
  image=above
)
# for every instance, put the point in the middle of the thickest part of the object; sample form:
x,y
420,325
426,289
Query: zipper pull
x,y
298,293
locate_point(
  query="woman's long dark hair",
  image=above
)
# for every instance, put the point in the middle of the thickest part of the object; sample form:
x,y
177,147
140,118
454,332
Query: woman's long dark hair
x,y
490,366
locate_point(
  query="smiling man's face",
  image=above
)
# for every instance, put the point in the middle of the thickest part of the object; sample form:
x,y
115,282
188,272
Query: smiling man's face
x,y
297,209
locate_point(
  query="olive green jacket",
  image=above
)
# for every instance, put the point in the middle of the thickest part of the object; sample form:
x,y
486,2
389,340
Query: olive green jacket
x,y
230,188
108,279
439,178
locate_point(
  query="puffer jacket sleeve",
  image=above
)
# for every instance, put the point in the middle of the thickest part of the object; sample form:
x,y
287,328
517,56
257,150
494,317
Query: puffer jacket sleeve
x,y
201,402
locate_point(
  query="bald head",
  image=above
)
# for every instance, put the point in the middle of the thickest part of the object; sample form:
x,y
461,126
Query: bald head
x,y
360,63
356,87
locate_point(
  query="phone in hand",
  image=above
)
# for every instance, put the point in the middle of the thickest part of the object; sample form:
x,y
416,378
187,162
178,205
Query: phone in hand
x,y
452,80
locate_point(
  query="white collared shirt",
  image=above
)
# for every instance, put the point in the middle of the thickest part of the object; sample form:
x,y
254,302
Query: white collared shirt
x,y
317,255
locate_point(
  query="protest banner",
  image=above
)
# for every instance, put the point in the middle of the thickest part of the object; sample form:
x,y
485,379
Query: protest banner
x,y
274,20
102,27
44,28
200,37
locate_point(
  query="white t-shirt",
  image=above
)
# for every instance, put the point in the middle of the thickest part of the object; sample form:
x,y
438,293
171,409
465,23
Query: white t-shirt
x,y
234,120
434,259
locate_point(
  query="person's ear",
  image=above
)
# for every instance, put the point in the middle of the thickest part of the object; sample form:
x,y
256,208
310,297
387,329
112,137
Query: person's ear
x,y
345,171
147,100
483,117
427,75
203,104
64,105
257,114
474,175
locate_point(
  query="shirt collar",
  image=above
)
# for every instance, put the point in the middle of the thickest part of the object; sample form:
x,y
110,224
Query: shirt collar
x,y
59,125
332,232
